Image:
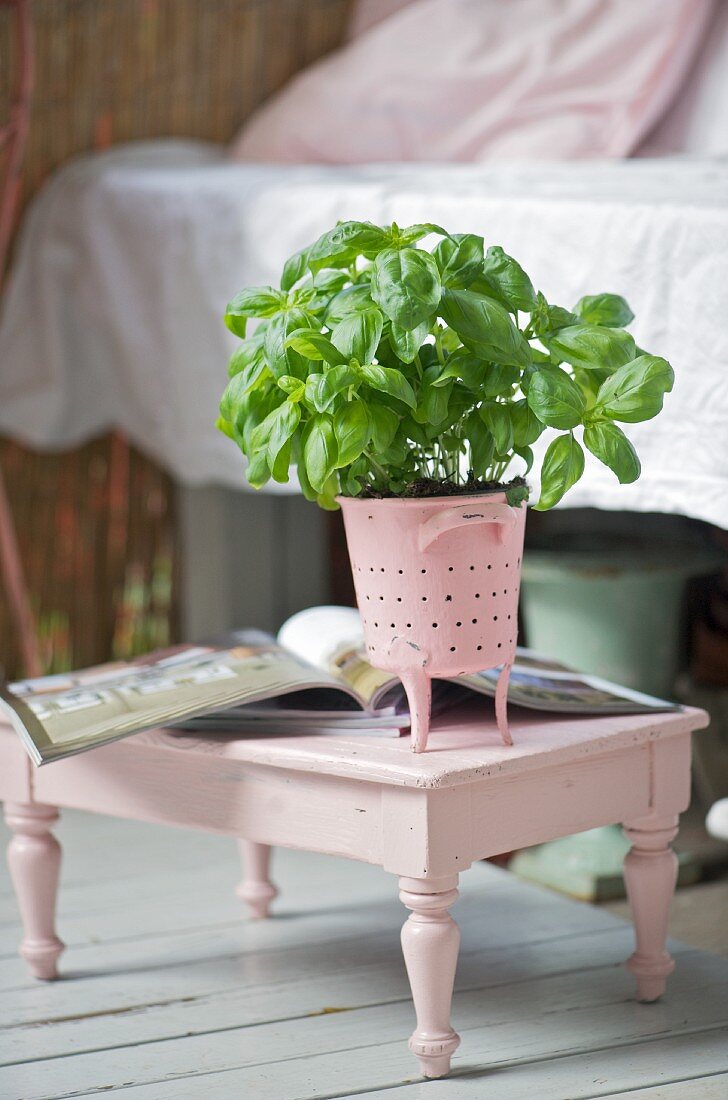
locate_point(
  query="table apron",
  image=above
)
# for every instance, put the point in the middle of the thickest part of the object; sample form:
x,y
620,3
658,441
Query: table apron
x,y
651,780
418,832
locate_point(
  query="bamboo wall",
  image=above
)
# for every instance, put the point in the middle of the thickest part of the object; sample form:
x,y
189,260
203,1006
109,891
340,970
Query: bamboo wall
x,y
109,71
97,525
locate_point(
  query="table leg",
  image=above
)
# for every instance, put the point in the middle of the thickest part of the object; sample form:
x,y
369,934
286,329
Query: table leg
x,y
34,859
256,888
650,874
430,944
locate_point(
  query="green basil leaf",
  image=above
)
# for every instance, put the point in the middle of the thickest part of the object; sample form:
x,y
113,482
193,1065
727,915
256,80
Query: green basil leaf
x,y
348,301
342,244
388,380
610,310
326,284
294,387
526,425
277,428
358,334
351,479
351,485
384,426
414,431
258,472
499,379
592,347
330,282
589,382
407,342
459,259
247,352
547,319
315,393
508,280
416,232
306,488
280,469
326,499
406,286
319,450
527,455
465,365
461,401
352,428
635,392
234,395
257,405
322,389
538,357
610,445
482,445
433,404
498,421
563,465
485,327
281,358
230,431
294,268
555,399
256,301
313,344
256,375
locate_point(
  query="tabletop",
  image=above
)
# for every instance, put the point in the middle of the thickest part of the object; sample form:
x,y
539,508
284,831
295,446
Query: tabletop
x,y
464,745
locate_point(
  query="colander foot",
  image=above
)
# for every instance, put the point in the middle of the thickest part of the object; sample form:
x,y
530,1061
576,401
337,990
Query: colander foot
x,y
419,696
501,705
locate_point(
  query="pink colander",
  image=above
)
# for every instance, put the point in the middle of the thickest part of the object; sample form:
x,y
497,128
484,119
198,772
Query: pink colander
x,y
437,584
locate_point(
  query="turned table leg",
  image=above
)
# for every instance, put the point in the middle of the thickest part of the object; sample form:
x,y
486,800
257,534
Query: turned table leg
x,y
430,944
256,888
650,874
34,859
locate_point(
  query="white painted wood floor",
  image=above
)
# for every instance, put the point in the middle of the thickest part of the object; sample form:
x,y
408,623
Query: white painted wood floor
x,y
170,994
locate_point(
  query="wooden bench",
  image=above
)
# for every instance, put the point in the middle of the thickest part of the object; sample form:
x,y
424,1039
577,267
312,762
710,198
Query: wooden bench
x,y
425,818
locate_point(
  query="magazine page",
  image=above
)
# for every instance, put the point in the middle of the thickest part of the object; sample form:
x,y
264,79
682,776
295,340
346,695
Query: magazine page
x,y
301,707
60,715
277,722
331,638
541,683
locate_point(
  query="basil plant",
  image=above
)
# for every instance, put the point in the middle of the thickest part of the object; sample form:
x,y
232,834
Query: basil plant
x,y
379,363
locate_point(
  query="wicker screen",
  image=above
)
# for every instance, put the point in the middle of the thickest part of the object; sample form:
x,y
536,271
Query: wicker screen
x,y
109,71
96,526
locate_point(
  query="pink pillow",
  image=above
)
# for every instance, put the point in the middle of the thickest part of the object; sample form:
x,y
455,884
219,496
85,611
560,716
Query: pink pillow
x,y
367,13
697,122
473,80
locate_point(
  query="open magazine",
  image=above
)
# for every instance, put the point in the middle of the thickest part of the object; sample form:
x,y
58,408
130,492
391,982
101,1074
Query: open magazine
x,y
313,678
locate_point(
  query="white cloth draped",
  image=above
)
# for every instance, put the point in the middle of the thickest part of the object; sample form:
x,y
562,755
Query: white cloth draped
x,y
126,261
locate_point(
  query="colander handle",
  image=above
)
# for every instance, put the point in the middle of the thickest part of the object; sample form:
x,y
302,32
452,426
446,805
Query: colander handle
x,y
450,518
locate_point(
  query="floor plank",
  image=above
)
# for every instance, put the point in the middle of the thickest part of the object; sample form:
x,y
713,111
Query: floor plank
x,y
714,1087
170,994
689,1059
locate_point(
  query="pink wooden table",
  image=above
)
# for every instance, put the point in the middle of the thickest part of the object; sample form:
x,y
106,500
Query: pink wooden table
x,y
425,818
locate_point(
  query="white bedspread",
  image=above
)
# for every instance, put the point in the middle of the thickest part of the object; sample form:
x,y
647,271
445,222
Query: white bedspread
x,y
128,258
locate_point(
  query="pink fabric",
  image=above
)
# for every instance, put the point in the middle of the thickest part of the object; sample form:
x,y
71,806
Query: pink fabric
x,y
697,121
474,80
367,13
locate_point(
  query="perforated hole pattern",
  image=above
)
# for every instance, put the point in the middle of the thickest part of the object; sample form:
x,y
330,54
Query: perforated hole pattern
x,y
452,606
484,620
